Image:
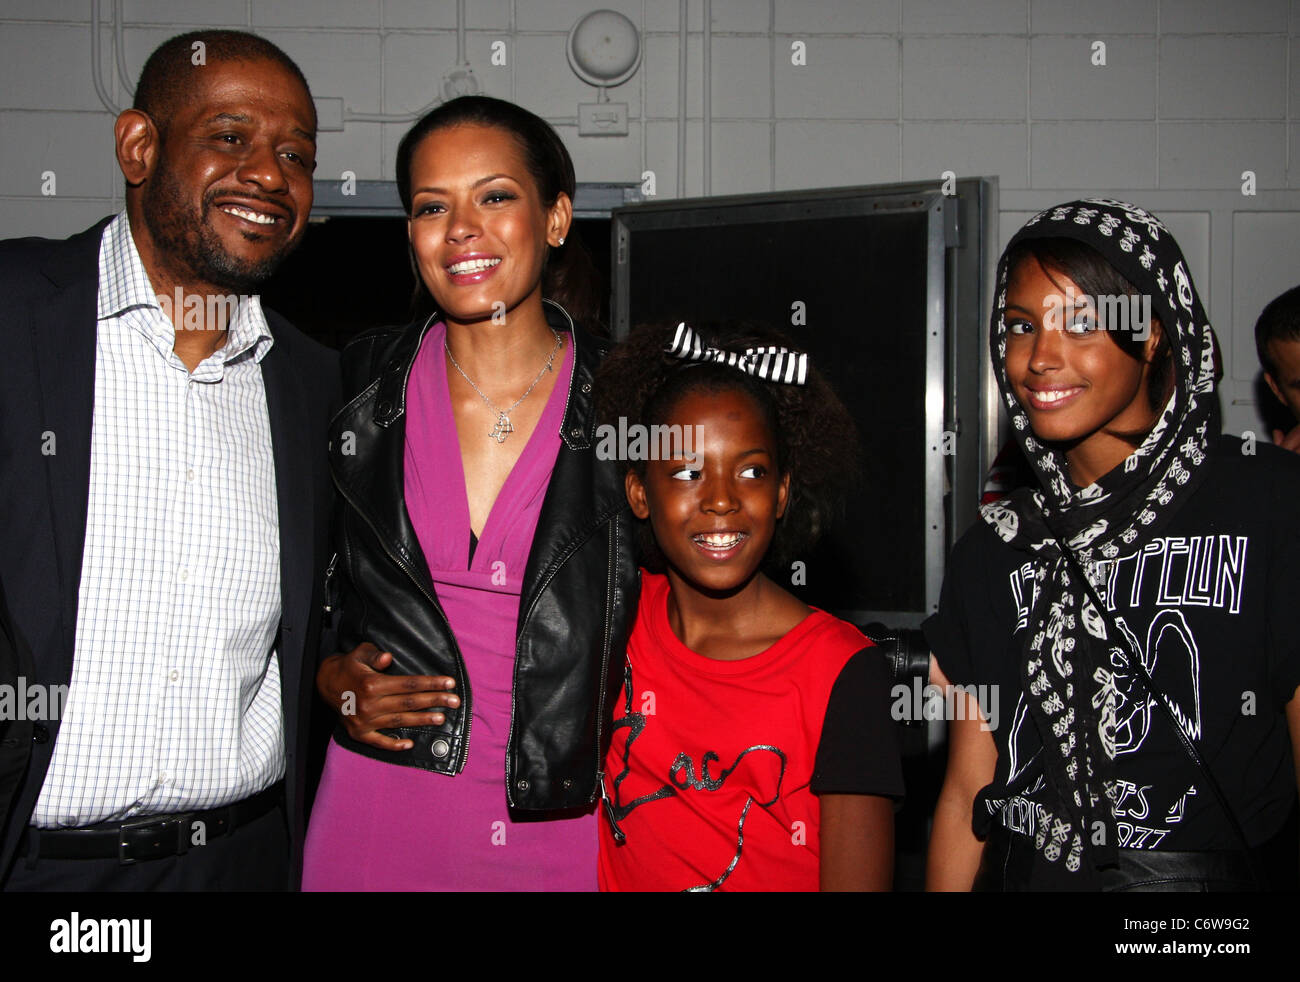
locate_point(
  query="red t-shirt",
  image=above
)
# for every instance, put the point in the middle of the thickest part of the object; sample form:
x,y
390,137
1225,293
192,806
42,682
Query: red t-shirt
x,y
714,766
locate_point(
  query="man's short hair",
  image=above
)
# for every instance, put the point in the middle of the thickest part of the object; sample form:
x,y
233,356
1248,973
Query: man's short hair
x,y
1280,321
166,77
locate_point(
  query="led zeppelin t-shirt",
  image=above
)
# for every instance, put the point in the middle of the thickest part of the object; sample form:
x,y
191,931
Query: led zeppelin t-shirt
x,y
1211,605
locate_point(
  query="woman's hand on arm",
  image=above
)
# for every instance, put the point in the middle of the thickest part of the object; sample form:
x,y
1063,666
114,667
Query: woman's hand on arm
x,y
954,855
367,700
857,842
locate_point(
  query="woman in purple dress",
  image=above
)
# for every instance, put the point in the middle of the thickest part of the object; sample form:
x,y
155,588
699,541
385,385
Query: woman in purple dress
x,y
485,573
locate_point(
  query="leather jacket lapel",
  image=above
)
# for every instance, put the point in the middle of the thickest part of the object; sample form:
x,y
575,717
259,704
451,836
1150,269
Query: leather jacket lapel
x,y
570,510
368,450
376,420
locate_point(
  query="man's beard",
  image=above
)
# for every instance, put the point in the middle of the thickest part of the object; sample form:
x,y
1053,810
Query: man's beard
x,y
189,246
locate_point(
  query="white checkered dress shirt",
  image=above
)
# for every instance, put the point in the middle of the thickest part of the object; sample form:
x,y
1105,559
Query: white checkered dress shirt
x,y
175,697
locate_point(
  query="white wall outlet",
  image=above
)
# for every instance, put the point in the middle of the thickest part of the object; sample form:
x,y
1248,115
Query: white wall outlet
x,y
602,119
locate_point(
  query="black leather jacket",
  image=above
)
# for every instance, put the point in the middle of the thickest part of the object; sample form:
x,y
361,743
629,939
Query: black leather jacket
x,y
579,591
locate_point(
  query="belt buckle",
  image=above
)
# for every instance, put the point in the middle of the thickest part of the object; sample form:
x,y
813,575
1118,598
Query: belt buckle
x,y
182,845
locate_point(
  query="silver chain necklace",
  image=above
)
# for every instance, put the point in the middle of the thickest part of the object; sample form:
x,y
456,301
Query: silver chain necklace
x,y
503,428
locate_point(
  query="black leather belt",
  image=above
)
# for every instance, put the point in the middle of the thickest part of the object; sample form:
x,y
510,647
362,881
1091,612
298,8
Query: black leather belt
x,y
150,836
1008,859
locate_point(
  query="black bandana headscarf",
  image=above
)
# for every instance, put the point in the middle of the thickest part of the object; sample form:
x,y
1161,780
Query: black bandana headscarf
x,y
1074,671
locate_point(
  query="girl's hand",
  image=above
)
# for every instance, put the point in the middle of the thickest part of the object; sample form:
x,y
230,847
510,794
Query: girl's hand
x,y
368,700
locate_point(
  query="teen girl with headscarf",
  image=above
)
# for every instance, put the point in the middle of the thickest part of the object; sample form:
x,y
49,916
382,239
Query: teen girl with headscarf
x,y
1136,609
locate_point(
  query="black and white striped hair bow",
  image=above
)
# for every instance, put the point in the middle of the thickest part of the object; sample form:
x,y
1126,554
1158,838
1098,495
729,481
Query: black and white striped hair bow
x,y
771,363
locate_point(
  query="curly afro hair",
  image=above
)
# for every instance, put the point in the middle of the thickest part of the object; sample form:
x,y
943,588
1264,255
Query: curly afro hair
x,y
816,441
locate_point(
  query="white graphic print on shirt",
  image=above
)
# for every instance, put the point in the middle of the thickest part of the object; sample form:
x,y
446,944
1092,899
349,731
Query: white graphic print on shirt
x,y
1166,577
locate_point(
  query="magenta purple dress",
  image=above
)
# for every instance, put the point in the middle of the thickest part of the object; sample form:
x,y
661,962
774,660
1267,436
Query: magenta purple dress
x,y
380,826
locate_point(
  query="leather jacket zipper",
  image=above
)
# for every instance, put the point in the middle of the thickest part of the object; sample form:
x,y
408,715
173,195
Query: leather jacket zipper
x,y
605,799
462,676
610,586
328,607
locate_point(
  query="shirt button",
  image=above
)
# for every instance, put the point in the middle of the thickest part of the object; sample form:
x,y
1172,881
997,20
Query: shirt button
x,y
185,575
175,675
189,474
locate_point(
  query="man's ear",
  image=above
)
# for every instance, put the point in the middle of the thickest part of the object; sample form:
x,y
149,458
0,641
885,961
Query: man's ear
x,y
1272,384
783,495
138,144
636,498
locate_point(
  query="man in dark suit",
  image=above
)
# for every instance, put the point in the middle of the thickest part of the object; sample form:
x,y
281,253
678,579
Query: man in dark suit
x,y
163,469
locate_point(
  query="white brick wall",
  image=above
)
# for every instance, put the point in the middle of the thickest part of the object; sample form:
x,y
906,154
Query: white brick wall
x,y
844,78
1065,84
964,77
1193,93
929,149
1211,16
1212,77
1214,155
1096,18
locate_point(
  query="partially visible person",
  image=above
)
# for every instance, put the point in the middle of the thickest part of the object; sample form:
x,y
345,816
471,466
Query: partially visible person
x,y
753,748
1136,605
1277,341
163,469
486,562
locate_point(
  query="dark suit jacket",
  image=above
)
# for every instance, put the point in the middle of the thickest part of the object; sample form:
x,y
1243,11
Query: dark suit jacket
x,y
15,733
48,295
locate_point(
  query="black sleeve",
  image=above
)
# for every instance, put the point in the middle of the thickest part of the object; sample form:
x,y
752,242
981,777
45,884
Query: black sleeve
x,y
858,750
965,616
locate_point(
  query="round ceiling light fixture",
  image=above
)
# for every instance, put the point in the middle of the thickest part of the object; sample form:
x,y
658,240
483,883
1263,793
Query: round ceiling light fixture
x,y
604,48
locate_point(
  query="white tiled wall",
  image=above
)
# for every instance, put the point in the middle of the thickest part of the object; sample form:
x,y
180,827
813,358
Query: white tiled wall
x,y
1192,94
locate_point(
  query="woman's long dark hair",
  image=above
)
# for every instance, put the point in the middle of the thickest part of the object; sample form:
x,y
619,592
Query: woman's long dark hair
x,y
570,277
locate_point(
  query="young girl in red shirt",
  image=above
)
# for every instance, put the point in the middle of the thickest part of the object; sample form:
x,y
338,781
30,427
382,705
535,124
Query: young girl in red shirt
x,y
752,746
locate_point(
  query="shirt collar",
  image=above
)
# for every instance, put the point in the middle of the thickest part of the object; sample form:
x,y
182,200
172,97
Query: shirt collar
x,y
124,286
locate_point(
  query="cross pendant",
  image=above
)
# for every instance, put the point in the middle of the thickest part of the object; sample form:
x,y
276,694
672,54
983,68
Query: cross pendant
x,y
502,430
